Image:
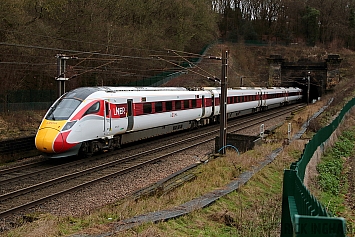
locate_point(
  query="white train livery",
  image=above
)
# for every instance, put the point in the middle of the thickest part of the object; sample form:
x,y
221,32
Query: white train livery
x,y
90,119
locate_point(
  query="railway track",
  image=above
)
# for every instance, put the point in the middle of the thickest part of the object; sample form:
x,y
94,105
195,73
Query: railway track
x,y
26,186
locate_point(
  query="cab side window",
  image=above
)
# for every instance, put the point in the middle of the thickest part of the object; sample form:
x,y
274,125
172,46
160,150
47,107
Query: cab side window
x,y
93,109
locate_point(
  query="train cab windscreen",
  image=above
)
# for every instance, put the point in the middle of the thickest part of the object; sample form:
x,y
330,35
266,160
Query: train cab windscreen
x,y
63,109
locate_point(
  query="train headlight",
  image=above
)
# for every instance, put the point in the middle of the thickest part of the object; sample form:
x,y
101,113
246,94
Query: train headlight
x,y
69,125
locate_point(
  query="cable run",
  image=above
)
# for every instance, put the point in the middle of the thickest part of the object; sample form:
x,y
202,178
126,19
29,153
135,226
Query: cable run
x,y
209,78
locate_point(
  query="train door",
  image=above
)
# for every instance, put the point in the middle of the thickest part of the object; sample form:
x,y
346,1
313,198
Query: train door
x,y
286,96
259,96
107,119
130,114
203,106
264,97
213,103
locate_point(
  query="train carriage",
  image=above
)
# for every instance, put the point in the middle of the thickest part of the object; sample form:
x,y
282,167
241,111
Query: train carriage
x,y
91,119
273,97
158,112
293,95
240,101
243,100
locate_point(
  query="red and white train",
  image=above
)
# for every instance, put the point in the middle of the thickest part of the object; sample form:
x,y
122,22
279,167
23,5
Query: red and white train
x,y
90,119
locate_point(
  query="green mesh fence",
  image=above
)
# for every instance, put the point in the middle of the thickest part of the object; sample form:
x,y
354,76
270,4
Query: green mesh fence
x,y
26,100
302,213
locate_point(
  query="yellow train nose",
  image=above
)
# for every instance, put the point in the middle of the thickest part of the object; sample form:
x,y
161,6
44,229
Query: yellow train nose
x,y
45,139
47,134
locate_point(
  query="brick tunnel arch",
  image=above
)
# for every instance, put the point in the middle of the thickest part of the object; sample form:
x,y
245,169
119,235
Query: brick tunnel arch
x,y
322,74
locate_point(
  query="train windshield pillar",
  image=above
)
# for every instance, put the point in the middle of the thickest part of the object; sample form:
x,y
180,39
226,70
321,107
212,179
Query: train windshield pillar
x,y
63,109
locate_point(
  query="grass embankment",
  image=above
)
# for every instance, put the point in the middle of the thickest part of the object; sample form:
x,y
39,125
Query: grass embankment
x,y
15,125
334,184
331,178
19,124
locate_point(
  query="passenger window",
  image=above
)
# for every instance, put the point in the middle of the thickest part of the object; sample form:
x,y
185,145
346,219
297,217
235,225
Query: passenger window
x,y
186,104
169,105
177,104
194,104
147,108
93,109
158,107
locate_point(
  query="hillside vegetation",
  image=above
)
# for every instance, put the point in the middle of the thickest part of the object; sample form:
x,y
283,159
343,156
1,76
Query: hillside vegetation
x,y
109,42
118,42
244,61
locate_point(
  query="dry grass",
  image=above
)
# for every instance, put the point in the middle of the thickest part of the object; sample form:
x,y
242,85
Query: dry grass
x,y
253,210
45,225
19,124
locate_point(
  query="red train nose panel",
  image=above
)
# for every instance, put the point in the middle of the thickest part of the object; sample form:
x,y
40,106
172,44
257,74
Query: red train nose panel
x,y
58,143
61,144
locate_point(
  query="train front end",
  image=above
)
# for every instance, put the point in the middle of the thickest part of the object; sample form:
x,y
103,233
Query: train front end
x,y
51,137
54,129
48,138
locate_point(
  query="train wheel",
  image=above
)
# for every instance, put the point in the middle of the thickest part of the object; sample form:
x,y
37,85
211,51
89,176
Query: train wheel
x,y
85,150
116,142
194,125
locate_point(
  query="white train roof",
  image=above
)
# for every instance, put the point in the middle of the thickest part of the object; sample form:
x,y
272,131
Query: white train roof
x,y
83,92
137,88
